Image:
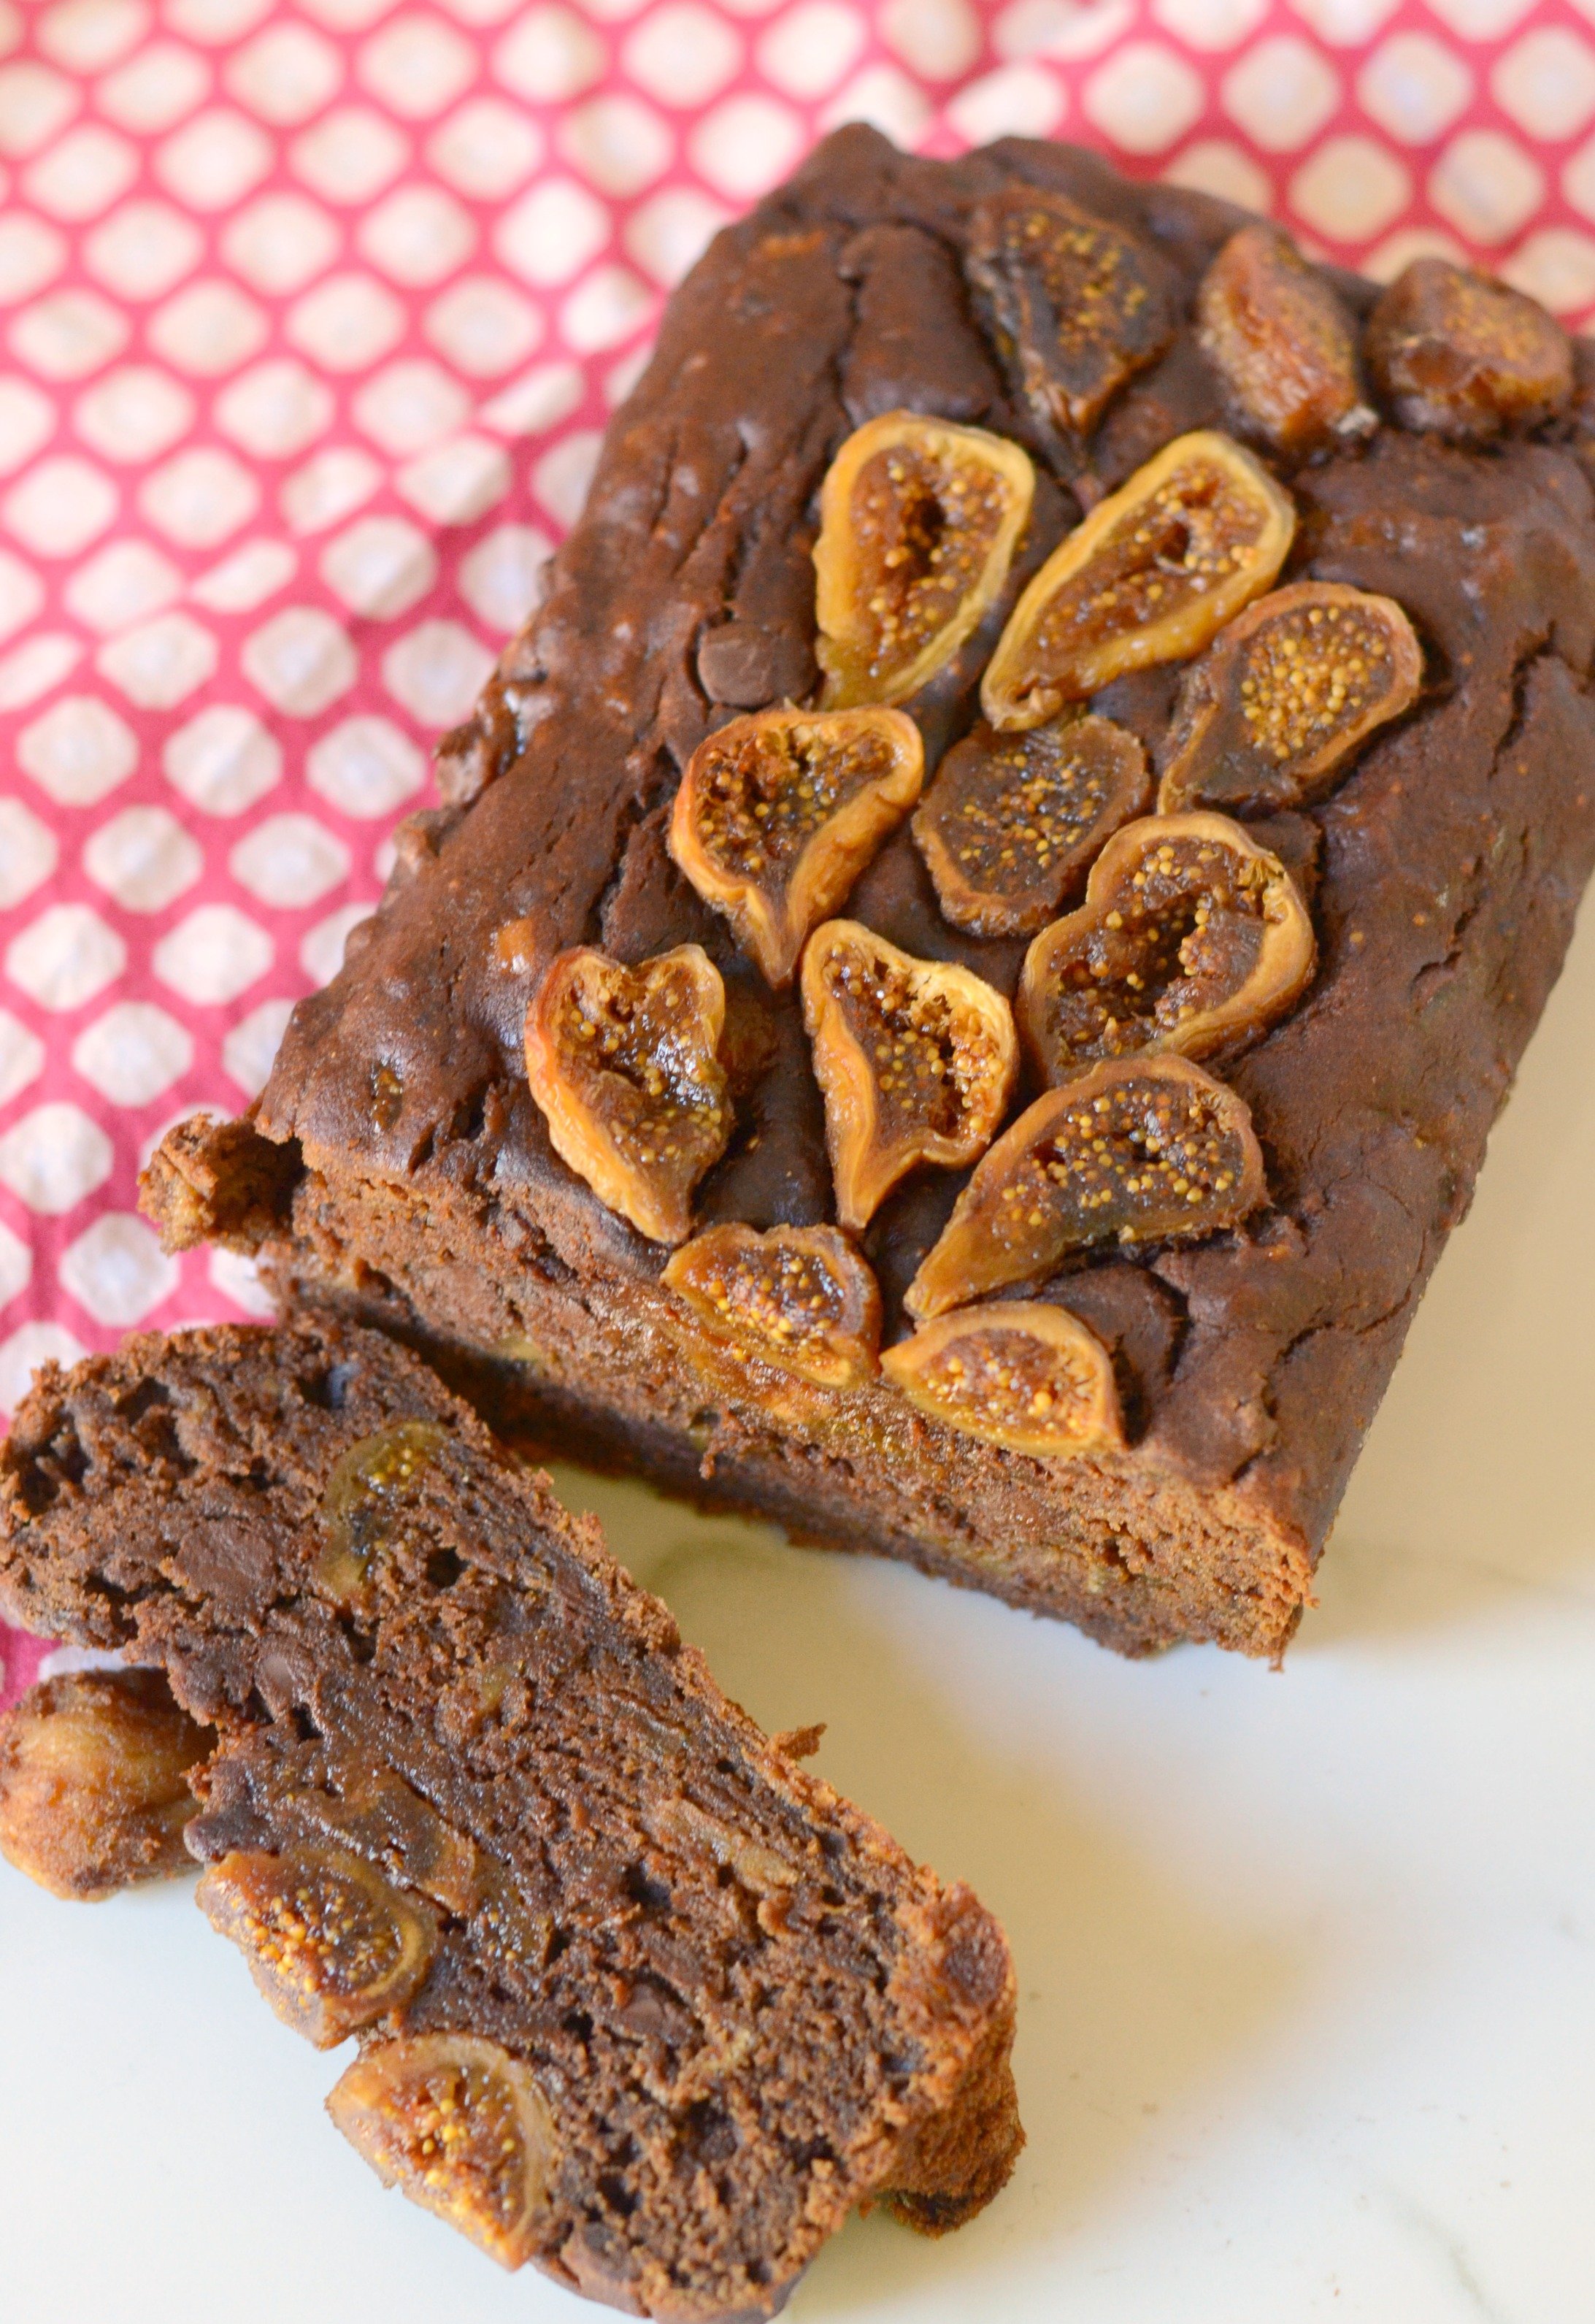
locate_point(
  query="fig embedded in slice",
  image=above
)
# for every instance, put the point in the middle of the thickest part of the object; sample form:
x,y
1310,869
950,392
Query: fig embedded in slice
x,y
1011,823
919,520
1153,573
1192,938
779,813
1138,1149
332,1945
1455,354
798,1297
1017,1373
1281,343
94,1782
1083,305
364,1501
916,1060
459,2125
1274,713
624,1062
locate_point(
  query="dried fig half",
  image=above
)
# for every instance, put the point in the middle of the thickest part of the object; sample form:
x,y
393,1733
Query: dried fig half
x,y
1019,1373
330,1943
1281,343
1191,937
798,1297
777,815
1155,571
916,1060
1080,305
1458,355
1011,821
1140,1149
919,520
94,1783
624,1062
1274,711
459,2125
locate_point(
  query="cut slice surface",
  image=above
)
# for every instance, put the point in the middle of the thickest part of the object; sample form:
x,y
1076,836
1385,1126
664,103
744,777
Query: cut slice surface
x,y
663,2005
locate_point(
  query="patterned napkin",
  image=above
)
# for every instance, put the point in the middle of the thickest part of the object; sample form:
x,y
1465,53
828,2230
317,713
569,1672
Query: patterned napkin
x,y
312,314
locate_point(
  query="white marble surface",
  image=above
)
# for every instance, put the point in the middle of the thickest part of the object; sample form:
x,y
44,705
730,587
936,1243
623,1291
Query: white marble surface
x,y
1307,1960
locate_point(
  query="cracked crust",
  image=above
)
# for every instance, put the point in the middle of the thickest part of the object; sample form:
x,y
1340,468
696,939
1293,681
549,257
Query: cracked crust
x,y
1448,870
744,2010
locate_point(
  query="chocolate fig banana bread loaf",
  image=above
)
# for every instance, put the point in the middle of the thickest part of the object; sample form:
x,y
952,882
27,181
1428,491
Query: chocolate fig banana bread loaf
x,y
974,943
637,1999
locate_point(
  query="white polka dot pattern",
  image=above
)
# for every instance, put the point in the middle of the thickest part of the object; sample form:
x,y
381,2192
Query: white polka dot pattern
x,y
311,314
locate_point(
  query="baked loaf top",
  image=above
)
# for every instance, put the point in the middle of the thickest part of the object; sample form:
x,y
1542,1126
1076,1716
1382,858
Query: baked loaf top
x,y
664,2005
1443,869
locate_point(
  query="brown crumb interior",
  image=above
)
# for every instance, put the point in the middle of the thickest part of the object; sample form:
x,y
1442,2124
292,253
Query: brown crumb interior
x,y
743,2007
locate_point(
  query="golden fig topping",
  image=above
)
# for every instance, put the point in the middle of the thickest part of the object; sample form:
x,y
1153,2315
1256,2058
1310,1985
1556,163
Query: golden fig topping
x,y
916,1060
624,1062
1153,573
1137,1150
1191,937
363,1503
1273,713
777,815
1031,1376
1012,821
94,1791
1082,304
1281,343
1459,354
799,1297
458,2125
330,1943
919,523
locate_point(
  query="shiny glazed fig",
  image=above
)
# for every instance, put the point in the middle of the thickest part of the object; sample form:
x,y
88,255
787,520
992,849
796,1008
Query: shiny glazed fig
x,y
1192,938
459,2125
94,1783
1274,713
1455,354
1017,1373
798,1297
330,1943
919,520
1281,343
1080,305
624,1062
1140,1149
1011,822
1155,571
916,1060
777,814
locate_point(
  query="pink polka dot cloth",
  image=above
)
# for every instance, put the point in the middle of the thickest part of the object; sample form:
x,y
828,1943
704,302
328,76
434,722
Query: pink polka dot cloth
x,y
313,311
